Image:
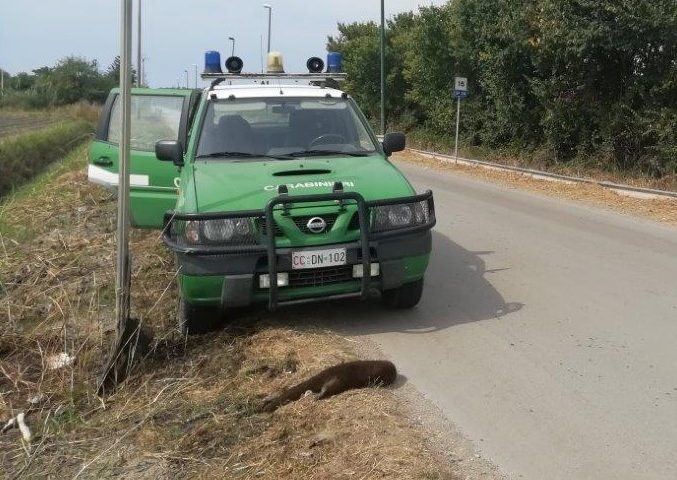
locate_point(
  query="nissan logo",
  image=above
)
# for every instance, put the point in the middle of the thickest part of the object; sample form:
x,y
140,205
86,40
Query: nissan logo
x,y
316,225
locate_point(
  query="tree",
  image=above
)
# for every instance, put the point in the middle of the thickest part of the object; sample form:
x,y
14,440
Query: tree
x,y
572,78
113,71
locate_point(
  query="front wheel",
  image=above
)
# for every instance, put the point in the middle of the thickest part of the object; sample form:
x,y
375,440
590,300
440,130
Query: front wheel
x,y
195,319
406,296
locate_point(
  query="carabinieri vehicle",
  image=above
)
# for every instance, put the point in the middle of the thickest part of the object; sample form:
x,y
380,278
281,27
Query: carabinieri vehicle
x,y
270,188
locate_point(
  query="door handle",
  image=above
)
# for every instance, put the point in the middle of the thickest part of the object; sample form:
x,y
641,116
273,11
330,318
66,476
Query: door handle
x,y
103,161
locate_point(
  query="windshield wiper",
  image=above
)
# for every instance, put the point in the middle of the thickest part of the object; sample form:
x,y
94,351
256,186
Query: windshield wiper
x,y
319,153
242,155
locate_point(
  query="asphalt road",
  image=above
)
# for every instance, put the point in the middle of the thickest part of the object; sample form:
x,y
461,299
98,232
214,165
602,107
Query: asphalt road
x,y
547,332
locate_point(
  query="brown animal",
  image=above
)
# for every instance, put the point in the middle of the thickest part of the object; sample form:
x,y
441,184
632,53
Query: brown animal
x,y
337,379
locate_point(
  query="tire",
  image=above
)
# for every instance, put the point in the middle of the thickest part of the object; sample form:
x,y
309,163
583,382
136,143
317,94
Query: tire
x,y
404,297
196,319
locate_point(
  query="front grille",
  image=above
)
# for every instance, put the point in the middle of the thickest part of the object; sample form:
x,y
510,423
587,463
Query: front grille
x,y
320,276
302,222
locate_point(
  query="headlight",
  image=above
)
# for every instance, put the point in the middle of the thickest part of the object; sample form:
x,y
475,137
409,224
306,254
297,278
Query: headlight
x,y
224,230
218,230
400,215
227,230
192,232
403,215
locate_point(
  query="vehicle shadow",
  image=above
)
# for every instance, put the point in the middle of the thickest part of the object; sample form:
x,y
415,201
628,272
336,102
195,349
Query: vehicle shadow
x,y
456,292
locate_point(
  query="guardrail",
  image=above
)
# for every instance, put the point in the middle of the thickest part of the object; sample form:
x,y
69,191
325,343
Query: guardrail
x,y
617,187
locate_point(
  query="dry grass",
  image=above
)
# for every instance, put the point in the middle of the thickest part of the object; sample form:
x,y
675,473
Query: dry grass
x,y
662,210
191,408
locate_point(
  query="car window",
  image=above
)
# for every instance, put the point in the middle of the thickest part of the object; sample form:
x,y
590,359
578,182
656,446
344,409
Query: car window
x,y
274,126
154,118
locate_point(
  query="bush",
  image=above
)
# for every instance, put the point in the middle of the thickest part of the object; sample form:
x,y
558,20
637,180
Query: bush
x,y
23,156
583,80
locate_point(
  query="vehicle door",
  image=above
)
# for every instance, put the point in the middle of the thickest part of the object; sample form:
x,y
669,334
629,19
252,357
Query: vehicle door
x,y
157,114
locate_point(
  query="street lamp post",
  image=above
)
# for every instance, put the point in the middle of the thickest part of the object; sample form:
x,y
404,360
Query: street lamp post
x,y
232,52
270,14
195,67
383,74
186,72
139,61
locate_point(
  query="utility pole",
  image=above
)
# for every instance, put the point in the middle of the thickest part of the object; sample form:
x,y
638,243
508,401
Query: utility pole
x,y
383,68
270,14
139,61
232,39
261,53
2,83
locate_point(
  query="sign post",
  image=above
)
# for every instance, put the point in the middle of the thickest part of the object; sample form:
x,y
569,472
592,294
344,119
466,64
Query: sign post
x,y
460,91
129,332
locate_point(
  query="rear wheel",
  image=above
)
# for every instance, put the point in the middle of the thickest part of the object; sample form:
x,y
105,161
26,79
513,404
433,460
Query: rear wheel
x,y
196,319
406,296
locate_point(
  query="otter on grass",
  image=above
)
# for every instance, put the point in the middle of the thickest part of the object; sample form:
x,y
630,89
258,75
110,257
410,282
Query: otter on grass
x,y
337,379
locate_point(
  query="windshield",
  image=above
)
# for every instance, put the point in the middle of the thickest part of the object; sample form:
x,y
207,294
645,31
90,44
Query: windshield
x,y
282,128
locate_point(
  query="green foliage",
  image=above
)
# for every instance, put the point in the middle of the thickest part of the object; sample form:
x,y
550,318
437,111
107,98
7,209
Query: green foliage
x,y
23,156
71,80
576,78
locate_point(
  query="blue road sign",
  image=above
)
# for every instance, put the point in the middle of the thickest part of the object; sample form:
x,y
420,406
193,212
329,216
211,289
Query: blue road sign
x,y
460,93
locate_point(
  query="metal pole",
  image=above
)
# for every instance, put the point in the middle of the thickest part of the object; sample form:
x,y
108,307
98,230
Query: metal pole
x,y
383,69
458,118
186,72
261,52
232,39
122,268
270,14
195,67
139,65
2,83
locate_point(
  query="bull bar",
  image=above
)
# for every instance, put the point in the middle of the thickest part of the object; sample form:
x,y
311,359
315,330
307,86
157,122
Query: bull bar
x,y
268,242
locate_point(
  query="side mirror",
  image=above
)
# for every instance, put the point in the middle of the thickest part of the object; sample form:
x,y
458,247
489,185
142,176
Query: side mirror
x,y
169,151
394,142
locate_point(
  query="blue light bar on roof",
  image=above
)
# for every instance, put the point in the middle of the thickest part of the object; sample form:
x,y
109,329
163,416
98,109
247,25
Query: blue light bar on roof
x,y
212,62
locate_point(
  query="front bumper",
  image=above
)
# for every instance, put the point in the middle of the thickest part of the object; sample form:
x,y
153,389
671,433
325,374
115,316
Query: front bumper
x,y
229,274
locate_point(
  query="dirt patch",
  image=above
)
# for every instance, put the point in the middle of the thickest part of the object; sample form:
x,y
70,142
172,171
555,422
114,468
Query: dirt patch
x,y
662,210
192,408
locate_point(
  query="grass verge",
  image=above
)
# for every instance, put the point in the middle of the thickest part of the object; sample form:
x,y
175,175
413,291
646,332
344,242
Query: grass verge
x,y
595,167
24,156
191,409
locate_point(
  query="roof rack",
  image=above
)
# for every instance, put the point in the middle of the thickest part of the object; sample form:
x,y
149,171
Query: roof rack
x,y
309,77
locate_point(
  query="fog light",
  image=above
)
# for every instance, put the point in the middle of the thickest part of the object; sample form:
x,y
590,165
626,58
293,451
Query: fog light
x,y
282,280
358,270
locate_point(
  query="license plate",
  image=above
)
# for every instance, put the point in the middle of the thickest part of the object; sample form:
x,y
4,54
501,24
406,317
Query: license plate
x,y
318,258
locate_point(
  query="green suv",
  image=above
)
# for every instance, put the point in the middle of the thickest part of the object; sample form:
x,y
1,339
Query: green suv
x,y
270,193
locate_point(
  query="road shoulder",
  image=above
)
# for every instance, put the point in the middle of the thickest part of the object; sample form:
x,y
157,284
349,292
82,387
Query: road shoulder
x,y
658,210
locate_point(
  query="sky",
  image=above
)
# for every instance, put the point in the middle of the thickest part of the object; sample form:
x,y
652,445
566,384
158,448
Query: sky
x,y
36,33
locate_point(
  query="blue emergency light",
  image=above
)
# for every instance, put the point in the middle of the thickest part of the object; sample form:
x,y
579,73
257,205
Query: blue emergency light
x,y
334,62
212,62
